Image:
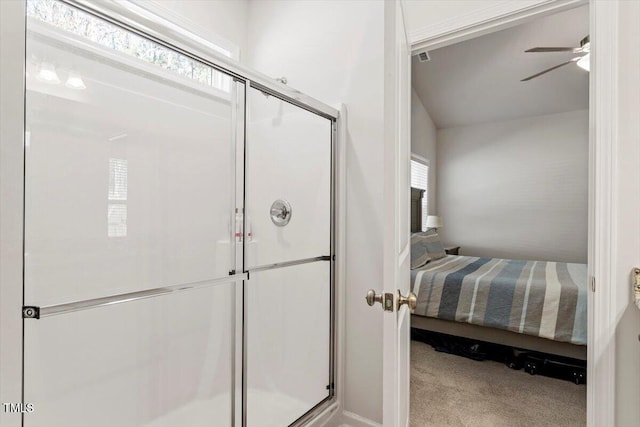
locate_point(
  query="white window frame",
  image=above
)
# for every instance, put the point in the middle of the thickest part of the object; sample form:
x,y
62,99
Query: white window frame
x,y
425,199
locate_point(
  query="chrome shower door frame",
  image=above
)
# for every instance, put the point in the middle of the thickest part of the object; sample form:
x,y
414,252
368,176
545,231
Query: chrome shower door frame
x,y
273,87
137,20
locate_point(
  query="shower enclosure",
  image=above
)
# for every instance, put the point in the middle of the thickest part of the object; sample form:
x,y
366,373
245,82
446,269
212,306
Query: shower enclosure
x,y
179,230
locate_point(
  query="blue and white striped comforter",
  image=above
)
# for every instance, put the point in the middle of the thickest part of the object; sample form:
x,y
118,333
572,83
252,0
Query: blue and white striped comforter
x,y
545,299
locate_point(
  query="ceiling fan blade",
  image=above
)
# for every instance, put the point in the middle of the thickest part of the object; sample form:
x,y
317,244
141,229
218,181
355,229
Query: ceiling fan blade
x,y
549,69
554,49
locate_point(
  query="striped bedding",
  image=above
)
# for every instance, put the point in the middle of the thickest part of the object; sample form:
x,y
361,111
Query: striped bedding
x,y
545,299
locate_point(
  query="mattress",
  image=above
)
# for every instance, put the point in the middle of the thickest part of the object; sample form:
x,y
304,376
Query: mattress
x,y
538,298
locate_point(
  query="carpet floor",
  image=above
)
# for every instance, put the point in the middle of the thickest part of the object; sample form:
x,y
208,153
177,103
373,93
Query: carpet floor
x,y
453,391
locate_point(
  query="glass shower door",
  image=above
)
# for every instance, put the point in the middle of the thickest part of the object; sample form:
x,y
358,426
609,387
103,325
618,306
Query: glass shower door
x,y
288,255
129,228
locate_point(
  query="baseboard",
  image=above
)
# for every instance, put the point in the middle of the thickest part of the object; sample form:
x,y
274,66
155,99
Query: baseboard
x,y
328,417
349,419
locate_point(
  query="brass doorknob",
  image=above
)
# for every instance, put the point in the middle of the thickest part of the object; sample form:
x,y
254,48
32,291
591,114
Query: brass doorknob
x,y
411,300
372,298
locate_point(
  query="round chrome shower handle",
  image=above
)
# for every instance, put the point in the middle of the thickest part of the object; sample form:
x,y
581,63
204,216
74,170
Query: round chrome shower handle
x,y
280,212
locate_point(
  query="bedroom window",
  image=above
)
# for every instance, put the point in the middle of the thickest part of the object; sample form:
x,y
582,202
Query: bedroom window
x,y
420,180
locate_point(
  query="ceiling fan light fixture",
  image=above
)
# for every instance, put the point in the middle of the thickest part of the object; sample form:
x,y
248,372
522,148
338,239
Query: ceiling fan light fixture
x,y
581,61
584,62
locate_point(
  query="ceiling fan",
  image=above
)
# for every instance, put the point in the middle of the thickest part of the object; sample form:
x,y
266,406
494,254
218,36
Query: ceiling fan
x,y
582,61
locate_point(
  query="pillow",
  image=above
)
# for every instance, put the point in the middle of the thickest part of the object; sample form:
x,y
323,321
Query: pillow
x,y
434,246
419,253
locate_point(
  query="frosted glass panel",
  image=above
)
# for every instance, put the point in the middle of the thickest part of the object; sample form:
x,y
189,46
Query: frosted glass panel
x,y
289,158
158,362
129,162
288,315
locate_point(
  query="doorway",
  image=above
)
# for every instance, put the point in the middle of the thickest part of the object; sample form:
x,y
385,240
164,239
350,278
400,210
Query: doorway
x,y
459,223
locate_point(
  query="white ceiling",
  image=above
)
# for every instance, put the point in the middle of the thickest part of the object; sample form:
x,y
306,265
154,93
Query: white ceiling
x,y
478,80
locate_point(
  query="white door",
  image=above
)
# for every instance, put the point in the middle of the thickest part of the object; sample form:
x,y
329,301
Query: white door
x,y
396,323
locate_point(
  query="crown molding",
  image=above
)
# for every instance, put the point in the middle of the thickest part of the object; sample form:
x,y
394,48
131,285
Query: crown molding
x,y
483,21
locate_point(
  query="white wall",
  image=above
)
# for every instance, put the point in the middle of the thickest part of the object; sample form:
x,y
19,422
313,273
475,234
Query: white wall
x,y
333,50
221,18
12,50
423,143
516,189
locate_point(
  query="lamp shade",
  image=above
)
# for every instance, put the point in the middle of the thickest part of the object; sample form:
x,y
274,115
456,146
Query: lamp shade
x,y
434,221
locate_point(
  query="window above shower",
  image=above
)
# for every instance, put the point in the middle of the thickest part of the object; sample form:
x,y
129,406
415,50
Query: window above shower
x,y
63,20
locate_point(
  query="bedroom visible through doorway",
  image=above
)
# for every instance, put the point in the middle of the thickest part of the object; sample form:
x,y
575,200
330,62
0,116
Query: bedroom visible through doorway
x,y
500,232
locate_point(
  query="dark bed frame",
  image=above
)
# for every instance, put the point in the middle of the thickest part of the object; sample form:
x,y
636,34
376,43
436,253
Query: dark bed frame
x,y
483,333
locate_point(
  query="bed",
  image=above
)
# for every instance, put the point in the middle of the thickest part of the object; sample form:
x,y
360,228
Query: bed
x,y
532,305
